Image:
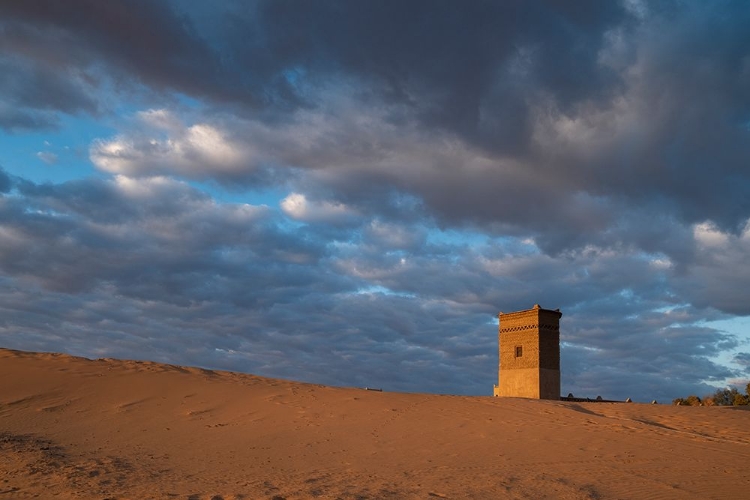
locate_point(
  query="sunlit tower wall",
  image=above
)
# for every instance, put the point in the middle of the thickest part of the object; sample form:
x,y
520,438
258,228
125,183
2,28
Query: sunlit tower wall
x,y
529,347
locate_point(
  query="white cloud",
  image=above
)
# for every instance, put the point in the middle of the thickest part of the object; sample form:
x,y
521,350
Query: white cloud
x,y
393,236
661,264
146,188
718,275
166,145
161,119
298,207
47,157
708,235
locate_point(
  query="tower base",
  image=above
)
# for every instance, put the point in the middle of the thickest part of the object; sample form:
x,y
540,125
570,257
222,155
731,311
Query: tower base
x,y
534,383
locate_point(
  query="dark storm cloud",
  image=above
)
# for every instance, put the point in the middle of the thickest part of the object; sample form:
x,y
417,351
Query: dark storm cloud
x,y
5,181
134,39
79,235
620,313
267,51
31,95
15,120
585,108
586,374
442,58
577,119
124,267
135,267
593,112
43,88
595,152
717,275
688,90
618,348
743,359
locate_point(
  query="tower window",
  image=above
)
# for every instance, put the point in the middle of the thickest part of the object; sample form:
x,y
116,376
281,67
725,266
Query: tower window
x,y
519,351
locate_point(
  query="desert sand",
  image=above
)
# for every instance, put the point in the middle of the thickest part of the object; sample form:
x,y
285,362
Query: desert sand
x,y
77,428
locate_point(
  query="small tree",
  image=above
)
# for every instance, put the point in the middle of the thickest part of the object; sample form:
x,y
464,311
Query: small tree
x,y
729,396
691,400
725,397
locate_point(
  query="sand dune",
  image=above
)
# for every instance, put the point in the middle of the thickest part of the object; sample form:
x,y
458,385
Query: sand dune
x,y
77,428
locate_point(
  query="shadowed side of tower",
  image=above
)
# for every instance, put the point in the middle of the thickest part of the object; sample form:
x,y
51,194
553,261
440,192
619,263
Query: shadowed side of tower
x,y
529,345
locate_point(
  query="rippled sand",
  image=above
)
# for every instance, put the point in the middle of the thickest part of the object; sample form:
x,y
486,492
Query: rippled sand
x,y
77,428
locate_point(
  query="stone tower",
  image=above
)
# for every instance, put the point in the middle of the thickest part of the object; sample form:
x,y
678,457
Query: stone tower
x,y
529,343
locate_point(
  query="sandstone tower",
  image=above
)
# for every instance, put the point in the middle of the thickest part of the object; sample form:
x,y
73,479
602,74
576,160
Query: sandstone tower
x,y
529,343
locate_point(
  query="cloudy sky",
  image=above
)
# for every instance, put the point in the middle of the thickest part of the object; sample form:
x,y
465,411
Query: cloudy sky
x,y
348,192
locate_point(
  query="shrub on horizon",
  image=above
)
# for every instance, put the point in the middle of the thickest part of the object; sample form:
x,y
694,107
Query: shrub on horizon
x,y
691,400
728,396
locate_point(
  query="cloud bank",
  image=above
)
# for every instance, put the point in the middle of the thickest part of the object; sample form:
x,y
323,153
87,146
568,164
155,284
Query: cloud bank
x,y
426,164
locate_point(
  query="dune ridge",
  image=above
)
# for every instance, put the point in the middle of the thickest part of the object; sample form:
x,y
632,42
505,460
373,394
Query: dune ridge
x,y
77,428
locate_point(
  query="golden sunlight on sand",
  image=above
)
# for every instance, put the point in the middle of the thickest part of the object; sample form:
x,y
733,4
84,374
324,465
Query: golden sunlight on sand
x,y
77,428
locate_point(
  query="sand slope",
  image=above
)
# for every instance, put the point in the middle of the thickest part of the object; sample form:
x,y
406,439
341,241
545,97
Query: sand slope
x,y
77,428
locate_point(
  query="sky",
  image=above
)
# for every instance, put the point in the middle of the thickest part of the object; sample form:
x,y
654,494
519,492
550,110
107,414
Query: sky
x,y
348,193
